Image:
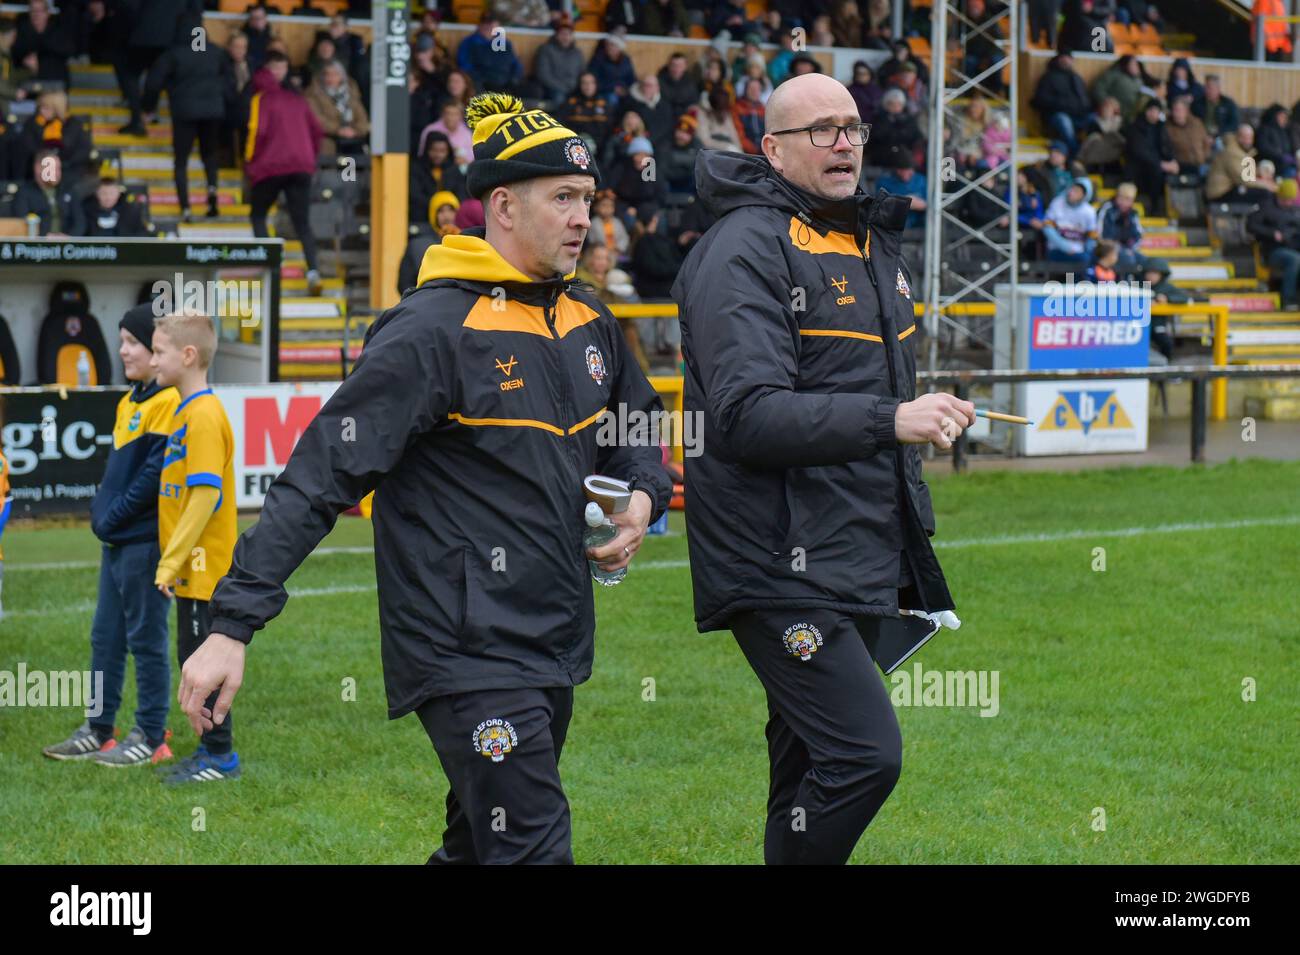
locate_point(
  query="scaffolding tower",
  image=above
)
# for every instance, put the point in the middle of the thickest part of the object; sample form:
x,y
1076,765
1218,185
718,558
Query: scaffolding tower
x,y
988,48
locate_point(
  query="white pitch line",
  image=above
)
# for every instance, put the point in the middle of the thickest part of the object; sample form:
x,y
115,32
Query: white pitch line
x,y
89,607
94,564
1047,538
1120,532
939,543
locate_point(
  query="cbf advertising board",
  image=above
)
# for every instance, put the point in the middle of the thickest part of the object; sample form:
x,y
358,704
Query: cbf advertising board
x,y
1083,325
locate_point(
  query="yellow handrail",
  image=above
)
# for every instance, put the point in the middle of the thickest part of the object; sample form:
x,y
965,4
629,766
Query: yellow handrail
x,y
1218,315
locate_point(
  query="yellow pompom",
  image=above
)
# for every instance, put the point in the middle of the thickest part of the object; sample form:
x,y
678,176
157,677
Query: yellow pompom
x,y
491,104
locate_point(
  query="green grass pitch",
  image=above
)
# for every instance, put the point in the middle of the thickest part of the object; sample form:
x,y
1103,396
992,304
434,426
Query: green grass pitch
x,y
1119,690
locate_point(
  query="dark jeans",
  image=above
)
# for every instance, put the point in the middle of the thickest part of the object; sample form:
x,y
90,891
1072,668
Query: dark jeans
x,y
1042,19
501,750
1285,264
130,66
1065,127
193,624
208,132
131,616
833,741
297,196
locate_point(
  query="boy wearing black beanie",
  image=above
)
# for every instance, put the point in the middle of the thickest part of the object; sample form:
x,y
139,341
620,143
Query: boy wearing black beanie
x,y
131,615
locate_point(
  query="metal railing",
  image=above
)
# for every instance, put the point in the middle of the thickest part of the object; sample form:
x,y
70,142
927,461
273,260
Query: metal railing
x,y
1198,375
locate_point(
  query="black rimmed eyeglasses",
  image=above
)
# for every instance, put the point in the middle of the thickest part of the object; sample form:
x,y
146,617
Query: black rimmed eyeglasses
x,y
826,135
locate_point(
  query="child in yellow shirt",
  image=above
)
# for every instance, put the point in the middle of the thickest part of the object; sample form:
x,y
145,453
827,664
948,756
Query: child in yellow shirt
x,y
196,512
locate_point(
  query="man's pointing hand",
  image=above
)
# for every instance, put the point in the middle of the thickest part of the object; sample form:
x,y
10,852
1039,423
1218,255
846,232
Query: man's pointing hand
x,y
216,665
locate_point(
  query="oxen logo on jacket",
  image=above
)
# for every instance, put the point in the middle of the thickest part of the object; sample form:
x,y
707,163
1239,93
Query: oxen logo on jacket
x,y
841,286
507,368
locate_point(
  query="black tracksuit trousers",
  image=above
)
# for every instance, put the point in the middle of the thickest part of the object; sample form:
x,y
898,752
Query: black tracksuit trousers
x,y
501,750
832,736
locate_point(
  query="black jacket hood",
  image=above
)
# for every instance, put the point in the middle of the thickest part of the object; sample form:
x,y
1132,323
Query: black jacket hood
x,y
144,390
726,181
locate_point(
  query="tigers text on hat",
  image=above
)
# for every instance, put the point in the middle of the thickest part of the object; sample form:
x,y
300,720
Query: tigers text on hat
x,y
512,144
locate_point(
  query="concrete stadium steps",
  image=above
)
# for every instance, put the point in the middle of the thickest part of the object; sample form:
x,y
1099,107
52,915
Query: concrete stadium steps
x,y
311,327
97,97
1156,242
157,136
300,371
115,140
1250,302
1208,275
1212,270
316,309
1213,284
151,165
166,194
311,334
111,113
198,205
1273,399
1264,323
202,228
329,288
93,76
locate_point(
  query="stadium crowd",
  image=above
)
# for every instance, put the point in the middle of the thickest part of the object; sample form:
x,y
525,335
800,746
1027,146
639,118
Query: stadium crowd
x,y
646,128
1152,132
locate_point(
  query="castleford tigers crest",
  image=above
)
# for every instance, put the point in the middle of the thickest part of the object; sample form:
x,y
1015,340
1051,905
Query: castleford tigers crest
x,y
72,325
495,738
903,287
134,423
575,151
802,640
595,364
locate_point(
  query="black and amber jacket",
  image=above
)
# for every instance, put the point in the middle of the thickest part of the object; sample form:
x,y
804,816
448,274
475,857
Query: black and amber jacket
x,y
799,344
473,413
125,508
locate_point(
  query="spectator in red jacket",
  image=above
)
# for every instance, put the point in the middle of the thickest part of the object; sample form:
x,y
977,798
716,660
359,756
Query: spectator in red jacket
x,y
749,112
284,138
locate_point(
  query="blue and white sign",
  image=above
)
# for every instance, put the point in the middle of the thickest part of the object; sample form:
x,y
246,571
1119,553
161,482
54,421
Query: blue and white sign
x,y
1083,325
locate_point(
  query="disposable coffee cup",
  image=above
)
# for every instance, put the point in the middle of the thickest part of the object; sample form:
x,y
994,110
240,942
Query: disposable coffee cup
x,y
610,493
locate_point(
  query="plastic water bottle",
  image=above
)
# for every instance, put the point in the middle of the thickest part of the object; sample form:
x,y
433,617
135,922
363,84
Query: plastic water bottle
x,y
600,530
83,370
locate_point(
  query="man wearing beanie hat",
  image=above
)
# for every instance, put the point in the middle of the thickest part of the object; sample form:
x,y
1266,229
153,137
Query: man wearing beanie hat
x,y
1276,226
476,412
131,615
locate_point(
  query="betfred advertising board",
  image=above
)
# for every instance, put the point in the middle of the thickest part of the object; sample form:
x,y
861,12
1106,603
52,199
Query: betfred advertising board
x,y
1082,325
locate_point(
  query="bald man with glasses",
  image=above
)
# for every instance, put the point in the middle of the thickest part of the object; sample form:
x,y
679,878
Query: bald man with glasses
x,y
808,522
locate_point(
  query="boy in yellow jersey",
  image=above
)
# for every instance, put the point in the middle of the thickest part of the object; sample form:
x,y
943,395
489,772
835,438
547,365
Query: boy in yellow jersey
x,y
130,614
196,511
